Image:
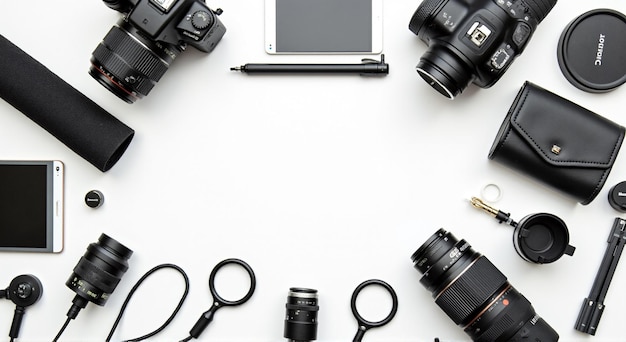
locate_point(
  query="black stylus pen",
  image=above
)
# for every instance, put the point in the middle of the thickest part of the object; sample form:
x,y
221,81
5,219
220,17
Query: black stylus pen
x,y
368,67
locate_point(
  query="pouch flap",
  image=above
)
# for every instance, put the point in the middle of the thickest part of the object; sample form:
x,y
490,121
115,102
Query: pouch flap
x,y
564,133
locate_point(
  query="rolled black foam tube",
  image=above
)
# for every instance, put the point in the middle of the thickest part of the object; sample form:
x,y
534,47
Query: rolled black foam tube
x,y
60,109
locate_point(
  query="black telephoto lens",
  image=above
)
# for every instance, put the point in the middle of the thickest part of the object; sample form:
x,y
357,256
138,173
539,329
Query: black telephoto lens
x,y
301,315
475,294
99,270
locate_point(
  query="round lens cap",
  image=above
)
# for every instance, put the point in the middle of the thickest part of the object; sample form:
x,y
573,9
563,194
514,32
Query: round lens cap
x,y
617,197
94,199
592,50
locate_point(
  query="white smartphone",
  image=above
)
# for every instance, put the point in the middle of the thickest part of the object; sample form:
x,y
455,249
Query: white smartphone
x,y
323,26
31,206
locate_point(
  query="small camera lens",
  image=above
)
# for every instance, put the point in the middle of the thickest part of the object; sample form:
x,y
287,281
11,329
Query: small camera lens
x,y
58,168
99,270
301,315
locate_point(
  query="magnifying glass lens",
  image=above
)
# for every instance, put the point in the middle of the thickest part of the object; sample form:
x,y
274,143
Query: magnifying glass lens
x,y
232,282
374,303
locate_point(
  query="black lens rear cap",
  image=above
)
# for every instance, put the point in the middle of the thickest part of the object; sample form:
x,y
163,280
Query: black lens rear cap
x,y
592,51
617,197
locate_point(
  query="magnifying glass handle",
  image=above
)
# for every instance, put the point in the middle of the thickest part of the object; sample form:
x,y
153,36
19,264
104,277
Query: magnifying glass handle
x,y
359,334
203,322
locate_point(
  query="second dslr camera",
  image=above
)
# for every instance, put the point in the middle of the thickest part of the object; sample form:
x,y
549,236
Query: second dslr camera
x,y
139,49
473,40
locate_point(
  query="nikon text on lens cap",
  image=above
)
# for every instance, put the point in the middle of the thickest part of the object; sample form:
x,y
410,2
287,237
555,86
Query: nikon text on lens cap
x,y
592,50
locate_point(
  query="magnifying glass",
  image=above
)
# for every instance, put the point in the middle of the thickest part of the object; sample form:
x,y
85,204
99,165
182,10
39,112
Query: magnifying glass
x,y
218,301
365,325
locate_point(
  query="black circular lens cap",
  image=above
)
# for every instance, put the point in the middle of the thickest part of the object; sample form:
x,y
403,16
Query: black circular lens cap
x,y
94,199
617,197
592,51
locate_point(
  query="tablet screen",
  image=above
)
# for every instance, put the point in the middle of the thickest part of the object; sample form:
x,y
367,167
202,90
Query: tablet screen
x,y
325,26
27,206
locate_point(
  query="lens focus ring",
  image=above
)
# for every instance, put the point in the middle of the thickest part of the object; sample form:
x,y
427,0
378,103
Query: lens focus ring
x,y
134,53
423,12
467,293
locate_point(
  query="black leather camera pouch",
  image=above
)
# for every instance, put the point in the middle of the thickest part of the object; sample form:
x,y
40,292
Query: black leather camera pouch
x,y
558,143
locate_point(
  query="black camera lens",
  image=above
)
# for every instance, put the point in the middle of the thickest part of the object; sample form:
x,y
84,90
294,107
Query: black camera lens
x,y
301,315
473,40
99,270
475,294
444,71
128,65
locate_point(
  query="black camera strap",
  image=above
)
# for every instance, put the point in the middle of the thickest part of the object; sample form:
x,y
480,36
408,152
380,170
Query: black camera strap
x,y
134,289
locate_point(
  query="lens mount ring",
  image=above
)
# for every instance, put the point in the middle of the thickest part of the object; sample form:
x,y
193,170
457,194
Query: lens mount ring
x,y
224,302
363,323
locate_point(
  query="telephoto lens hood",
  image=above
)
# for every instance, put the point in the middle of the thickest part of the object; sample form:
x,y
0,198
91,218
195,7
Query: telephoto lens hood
x,y
60,109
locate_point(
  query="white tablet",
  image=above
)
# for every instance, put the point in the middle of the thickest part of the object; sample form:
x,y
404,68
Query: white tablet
x,y
31,206
323,26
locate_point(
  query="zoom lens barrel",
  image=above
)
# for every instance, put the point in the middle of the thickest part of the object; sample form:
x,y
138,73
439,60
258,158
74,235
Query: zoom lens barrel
x,y
475,294
128,65
301,315
99,270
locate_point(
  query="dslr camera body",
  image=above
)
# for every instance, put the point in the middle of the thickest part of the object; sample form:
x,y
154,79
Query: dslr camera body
x,y
473,40
139,49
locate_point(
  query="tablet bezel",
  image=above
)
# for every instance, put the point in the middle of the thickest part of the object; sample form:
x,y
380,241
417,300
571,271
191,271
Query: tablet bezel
x,y
270,32
54,206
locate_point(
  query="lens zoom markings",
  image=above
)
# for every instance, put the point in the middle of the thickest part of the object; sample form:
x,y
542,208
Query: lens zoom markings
x,y
468,292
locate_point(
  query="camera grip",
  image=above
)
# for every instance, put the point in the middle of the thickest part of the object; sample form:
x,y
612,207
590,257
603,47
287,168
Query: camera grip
x,y
63,111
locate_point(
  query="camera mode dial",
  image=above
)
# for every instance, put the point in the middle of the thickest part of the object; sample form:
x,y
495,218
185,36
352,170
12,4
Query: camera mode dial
x,y
201,20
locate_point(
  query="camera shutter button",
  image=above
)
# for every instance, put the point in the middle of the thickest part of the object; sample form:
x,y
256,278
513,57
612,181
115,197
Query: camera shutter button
x,y
201,20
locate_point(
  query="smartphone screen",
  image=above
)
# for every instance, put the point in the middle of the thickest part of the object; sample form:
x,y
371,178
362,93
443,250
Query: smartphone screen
x,y
31,211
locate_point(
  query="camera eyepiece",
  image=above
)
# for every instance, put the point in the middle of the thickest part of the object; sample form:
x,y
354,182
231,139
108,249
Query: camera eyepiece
x,y
475,294
301,315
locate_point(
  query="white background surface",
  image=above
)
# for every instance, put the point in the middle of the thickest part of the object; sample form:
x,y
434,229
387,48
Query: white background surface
x,y
315,181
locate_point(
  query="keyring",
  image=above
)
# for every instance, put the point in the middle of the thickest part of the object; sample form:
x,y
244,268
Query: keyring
x,y
491,192
365,325
218,301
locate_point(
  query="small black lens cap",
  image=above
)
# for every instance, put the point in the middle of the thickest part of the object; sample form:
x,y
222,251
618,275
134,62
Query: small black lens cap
x,y
94,199
617,197
592,51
